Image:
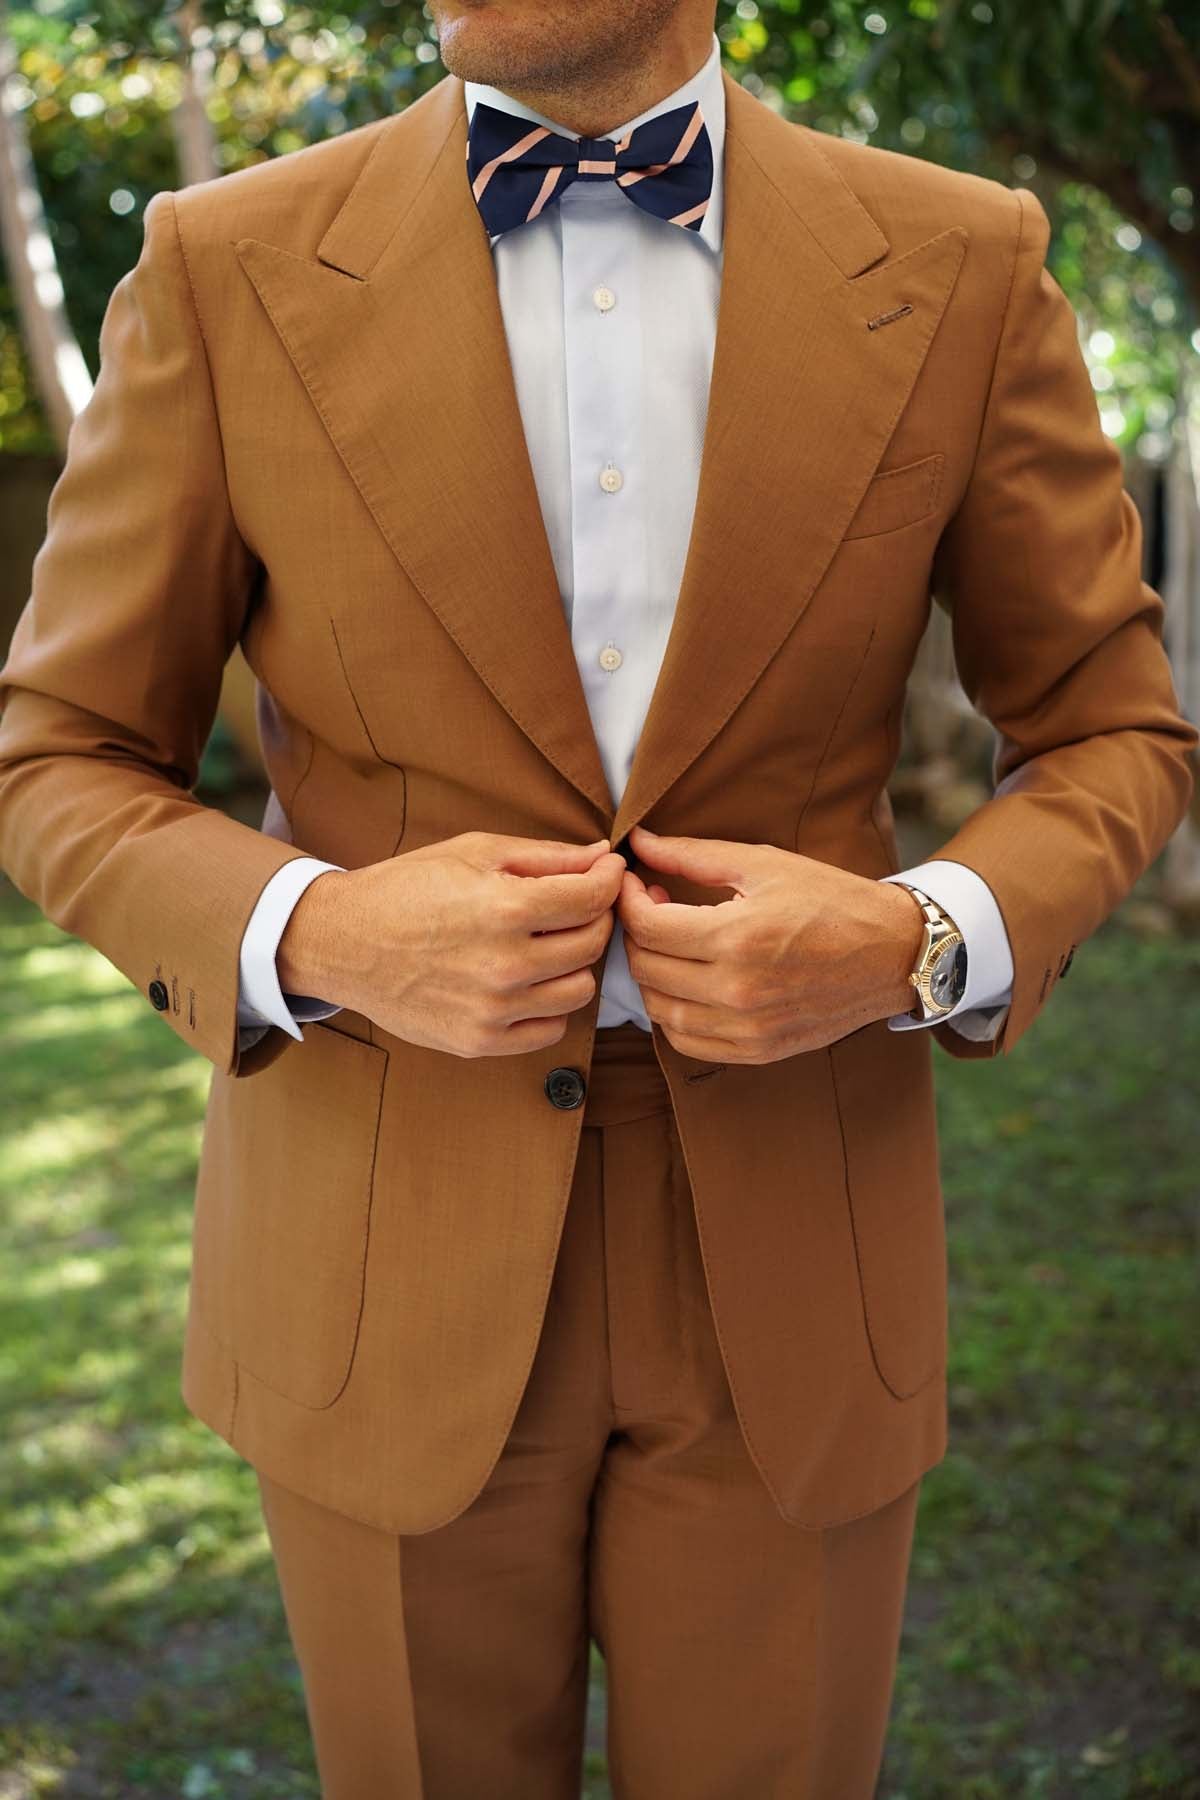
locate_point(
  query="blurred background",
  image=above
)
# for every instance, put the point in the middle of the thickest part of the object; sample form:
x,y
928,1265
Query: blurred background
x,y
1052,1638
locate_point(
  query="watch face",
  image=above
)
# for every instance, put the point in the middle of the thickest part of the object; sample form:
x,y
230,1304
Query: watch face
x,y
948,982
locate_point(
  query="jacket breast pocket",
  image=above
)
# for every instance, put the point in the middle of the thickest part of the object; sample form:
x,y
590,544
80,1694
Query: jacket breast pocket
x,y
897,497
283,1212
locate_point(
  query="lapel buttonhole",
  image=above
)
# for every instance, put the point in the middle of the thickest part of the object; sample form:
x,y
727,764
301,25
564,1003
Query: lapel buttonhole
x,y
886,318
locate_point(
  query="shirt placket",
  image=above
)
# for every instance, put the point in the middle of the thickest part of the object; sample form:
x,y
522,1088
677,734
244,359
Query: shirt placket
x,y
603,345
603,342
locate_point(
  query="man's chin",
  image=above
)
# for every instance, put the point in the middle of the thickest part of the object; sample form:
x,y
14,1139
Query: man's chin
x,y
471,24
480,40
469,46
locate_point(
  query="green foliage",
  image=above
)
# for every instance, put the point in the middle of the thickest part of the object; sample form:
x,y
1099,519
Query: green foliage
x,y
99,86
1110,84
1052,1637
1135,316
1095,104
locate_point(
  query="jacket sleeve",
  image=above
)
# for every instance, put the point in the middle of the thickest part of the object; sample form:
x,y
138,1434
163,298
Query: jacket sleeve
x,y
140,592
1058,642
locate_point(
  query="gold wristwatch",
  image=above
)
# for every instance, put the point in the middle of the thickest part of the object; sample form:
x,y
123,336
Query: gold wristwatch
x,y
940,973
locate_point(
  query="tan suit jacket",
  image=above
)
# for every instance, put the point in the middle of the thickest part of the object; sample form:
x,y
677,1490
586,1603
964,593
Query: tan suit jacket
x,y
305,437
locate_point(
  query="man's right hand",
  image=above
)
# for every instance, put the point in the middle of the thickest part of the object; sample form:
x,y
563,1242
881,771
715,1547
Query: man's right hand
x,y
481,945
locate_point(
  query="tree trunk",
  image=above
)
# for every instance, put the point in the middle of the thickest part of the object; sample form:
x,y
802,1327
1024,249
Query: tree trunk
x,y
60,373
195,140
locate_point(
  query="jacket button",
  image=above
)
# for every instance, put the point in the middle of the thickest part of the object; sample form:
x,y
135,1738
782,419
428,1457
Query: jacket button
x,y
159,997
565,1088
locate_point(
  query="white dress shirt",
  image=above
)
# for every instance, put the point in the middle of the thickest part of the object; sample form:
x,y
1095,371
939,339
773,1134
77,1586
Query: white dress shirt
x,y
610,317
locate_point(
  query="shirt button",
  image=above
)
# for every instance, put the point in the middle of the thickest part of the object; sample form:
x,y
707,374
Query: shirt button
x,y
611,479
604,298
610,658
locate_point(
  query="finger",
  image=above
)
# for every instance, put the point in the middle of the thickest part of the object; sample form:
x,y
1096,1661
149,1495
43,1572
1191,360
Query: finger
x,y
699,1018
559,952
709,1046
531,1034
712,862
540,856
553,901
655,890
714,1050
684,978
545,999
666,925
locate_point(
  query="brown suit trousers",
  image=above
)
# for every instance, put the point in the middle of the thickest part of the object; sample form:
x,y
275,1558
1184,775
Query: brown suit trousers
x,y
746,1658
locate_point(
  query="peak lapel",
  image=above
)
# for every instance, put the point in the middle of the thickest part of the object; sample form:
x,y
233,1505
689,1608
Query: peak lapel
x,y
397,333
799,380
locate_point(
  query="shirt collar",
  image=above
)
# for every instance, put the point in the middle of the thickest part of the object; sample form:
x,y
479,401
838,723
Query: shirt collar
x,y
706,86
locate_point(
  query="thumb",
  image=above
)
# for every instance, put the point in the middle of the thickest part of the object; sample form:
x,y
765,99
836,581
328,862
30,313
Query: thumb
x,y
711,862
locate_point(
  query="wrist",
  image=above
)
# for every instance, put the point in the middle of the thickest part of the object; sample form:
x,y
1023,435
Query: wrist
x,y
903,934
307,957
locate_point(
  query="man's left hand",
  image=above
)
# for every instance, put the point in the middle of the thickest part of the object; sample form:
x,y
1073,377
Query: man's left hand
x,y
801,955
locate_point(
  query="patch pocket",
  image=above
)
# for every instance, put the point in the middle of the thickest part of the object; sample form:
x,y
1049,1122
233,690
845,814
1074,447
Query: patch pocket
x,y
897,497
883,1090
283,1210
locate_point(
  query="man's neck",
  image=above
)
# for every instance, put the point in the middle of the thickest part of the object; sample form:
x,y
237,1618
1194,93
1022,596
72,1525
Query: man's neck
x,y
606,104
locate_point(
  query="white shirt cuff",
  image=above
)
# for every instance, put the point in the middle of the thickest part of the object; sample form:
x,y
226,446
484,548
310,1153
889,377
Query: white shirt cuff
x,y
261,1001
968,899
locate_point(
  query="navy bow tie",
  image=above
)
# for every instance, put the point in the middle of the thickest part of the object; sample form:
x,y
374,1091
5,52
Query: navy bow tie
x,y
516,167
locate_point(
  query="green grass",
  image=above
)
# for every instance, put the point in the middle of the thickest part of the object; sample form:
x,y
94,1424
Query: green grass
x,y
1051,1643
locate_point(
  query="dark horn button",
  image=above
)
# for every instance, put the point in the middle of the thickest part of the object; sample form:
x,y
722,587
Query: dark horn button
x,y
565,1088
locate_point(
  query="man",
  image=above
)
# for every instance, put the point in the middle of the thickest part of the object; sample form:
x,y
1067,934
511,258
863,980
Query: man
x,y
574,452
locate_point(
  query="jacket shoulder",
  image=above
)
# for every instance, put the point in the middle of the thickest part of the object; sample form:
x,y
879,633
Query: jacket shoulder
x,y
288,200
911,198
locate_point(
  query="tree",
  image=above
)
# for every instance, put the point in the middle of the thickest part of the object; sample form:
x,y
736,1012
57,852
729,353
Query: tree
x,y
1098,92
63,381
